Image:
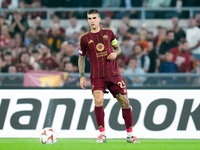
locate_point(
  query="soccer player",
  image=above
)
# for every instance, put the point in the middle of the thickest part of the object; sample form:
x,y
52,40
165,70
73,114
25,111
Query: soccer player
x,y
102,49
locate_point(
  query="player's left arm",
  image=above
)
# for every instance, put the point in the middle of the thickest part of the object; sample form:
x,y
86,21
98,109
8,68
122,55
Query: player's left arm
x,y
115,53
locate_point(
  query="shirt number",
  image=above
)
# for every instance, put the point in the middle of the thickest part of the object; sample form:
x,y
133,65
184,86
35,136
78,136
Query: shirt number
x,y
122,84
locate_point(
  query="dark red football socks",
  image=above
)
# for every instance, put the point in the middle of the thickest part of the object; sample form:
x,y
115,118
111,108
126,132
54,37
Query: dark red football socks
x,y
128,118
99,114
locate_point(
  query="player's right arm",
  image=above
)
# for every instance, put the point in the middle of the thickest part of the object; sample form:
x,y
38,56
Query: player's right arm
x,y
81,64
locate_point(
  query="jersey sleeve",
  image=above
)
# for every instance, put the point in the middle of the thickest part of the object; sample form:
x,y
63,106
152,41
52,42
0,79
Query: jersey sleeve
x,y
82,47
113,38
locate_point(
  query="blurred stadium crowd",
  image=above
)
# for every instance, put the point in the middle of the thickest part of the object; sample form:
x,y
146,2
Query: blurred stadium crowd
x,y
26,47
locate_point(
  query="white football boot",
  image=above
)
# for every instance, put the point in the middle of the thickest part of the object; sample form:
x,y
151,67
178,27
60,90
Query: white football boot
x,y
101,139
132,139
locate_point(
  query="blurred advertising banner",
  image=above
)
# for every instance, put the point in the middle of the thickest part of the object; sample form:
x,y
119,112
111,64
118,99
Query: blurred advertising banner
x,y
157,114
44,79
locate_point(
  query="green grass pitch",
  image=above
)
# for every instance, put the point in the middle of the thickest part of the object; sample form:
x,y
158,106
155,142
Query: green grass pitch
x,y
89,144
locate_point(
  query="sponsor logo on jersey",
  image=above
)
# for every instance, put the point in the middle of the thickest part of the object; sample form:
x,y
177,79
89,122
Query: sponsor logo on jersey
x,y
91,41
100,47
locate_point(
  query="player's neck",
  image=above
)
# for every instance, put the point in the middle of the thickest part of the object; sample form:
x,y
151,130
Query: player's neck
x,y
95,30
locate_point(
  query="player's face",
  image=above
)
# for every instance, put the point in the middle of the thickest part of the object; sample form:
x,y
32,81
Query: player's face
x,y
93,20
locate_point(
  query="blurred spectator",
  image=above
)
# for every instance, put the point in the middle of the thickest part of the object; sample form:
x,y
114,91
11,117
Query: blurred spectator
x,y
2,22
40,37
74,26
158,4
143,41
196,80
107,24
5,3
37,4
67,54
197,18
126,21
129,4
68,67
179,32
122,68
167,44
134,73
160,37
143,60
18,24
24,65
193,38
181,56
22,5
178,4
75,41
154,60
7,61
29,36
47,59
5,37
34,59
17,46
168,66
150,35
37,23
13,4
110,3
122,31
12,80
83,30
55,39
126,46
56,20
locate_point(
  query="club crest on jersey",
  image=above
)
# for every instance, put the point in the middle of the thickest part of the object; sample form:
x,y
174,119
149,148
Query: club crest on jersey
x,y
100,47
105,37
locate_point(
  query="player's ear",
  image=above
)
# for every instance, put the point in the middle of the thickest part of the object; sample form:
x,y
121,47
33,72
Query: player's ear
x,y
99,18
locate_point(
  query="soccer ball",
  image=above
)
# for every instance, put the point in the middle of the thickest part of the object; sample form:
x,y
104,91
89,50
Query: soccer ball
x,y
48,136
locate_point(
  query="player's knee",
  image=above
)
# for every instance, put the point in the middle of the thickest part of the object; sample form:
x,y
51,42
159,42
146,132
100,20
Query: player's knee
x,y
98,102
125,106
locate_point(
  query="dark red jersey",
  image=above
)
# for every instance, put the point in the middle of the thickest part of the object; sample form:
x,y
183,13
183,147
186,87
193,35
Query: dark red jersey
x,y
98,46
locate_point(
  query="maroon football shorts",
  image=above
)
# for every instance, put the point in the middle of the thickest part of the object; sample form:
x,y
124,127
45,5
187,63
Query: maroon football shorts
x,y
115,85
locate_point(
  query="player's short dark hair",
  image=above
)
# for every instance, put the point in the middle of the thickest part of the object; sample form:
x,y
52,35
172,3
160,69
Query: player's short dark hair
x,y
93,11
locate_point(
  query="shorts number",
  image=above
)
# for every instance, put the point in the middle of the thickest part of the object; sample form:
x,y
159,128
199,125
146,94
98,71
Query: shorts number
x,y
122,84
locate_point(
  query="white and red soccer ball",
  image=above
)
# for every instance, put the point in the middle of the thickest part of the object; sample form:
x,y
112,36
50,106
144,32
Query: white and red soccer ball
x,y
48,136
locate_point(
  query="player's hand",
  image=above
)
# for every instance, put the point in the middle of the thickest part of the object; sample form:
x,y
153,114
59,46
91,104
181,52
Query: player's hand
x,y
83,82
112,56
